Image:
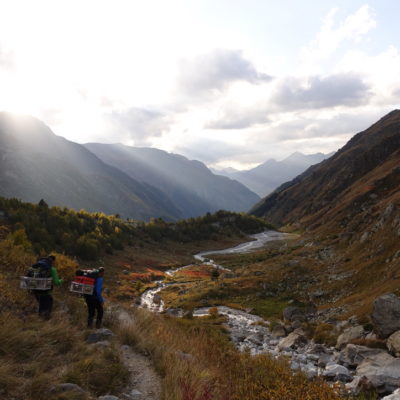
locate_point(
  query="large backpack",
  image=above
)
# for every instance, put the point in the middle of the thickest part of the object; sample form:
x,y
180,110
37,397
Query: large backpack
x,y
84,281
38,276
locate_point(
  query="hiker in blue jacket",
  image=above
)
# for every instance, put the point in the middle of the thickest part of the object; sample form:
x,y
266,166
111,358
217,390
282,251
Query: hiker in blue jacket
x,y
95,301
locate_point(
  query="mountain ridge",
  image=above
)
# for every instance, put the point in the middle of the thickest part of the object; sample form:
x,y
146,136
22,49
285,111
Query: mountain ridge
x,y
189,183
308,196
267,176
36,164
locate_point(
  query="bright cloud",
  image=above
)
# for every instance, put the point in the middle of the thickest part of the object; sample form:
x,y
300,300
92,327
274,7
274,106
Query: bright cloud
x,y
220,83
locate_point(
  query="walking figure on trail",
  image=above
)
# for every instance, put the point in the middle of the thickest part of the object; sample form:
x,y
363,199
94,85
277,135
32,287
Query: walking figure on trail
x,y
45,267
95,301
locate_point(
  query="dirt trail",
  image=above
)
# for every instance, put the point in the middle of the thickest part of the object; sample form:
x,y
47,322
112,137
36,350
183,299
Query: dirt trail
x,y
144,384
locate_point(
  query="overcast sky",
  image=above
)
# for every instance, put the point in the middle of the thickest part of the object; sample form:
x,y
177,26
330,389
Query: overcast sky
x,y
227,82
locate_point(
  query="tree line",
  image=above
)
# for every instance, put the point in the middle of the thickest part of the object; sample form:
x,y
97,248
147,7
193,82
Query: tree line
x,y
87,235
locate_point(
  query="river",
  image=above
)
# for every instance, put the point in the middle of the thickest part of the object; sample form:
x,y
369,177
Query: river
x,y
153,302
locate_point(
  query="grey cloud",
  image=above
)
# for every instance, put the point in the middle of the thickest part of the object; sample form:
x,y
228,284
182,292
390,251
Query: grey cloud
x,y
305,134
139,124
239,118
330,91
396,92
311,128
214,71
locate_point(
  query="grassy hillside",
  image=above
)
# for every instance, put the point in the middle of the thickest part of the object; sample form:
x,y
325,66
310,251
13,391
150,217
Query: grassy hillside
x,y
36,355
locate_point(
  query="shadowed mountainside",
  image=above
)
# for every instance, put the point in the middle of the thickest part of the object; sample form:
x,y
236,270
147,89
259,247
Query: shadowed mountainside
x,y
363,173
36,164
190,185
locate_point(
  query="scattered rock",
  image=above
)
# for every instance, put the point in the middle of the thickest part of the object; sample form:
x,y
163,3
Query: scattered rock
x,y
278,331
358,384
102,344
175,312
99,335
66,387
326,253
393,343
310,370
364,237
136,395
352,355
348,335
108,397
336,372
157,299
371,336
386,315
293,313
323,360
292,340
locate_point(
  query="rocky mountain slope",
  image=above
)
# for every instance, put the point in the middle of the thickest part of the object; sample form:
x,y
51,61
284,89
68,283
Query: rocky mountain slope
x,y
190,185
348,211
36,164
360,180
267,176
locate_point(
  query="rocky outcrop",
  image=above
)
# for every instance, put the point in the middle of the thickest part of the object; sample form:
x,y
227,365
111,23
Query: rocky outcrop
x,y
386,315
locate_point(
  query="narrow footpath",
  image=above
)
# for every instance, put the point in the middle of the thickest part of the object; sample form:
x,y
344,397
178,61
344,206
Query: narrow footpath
x,y
144,382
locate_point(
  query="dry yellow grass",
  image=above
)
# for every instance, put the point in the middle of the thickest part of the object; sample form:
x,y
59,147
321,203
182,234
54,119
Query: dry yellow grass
x,y
36,354
198,362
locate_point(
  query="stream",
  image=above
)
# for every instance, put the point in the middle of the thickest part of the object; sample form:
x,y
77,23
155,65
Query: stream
x,y
152,301
249,332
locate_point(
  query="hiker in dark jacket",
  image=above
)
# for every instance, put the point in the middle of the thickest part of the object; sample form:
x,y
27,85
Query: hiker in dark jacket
x,y
95,301
44,297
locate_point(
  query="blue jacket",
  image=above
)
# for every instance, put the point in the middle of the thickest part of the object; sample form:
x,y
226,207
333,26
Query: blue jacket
x,y
98,288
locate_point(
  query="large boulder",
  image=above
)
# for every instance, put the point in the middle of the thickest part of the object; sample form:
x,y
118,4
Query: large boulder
x,y
354,332
382,372
336,372
393,344
386,315
293,340
302,314
353,355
